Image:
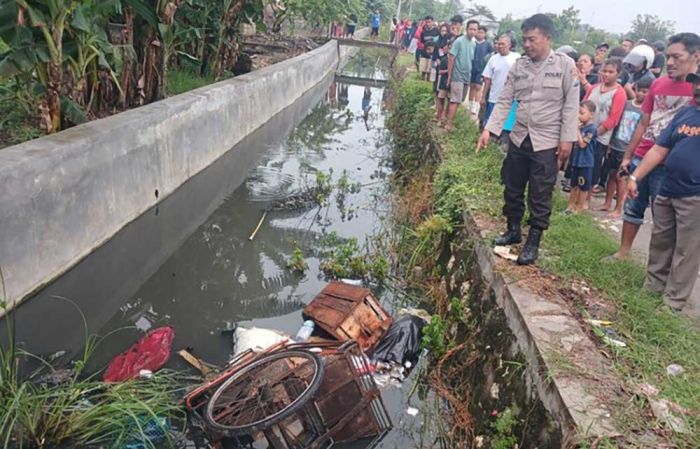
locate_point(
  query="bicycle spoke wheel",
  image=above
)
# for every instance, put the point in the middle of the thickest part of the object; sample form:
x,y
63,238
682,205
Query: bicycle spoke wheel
x,y
265,392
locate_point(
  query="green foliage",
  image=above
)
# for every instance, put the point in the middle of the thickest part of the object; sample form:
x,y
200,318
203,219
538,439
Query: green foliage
x,y
503,427
324,11
651,28
569,29
298,262
345,261
379,266
435,336
455,186
183,80
324,186
410,123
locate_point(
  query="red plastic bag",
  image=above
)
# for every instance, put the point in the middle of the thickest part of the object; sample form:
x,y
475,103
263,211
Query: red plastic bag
x,y
150,353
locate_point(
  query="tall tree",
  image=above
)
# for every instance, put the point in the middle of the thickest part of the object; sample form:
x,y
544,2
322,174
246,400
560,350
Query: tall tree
x,y
480,10
651,28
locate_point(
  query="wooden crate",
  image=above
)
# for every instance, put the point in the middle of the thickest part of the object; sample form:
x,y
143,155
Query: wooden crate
x,y
348,312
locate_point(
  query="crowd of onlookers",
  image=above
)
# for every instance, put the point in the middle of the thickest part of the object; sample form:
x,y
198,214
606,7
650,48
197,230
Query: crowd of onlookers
x,y
636,139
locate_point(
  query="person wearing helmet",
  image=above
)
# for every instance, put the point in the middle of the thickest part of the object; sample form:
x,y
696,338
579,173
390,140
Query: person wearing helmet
x,y
637,63
569,51
659,59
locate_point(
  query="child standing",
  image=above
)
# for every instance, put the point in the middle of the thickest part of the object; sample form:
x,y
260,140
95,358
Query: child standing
x,y
609,98
618,144
441,86
582,156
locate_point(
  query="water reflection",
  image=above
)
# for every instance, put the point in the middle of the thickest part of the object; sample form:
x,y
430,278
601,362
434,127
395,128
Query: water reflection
x,y
219,277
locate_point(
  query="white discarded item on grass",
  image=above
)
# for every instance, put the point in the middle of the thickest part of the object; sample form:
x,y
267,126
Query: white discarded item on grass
x,y
668,412
645,389
612,342
256,338
674,369
504,252
412,411
145,374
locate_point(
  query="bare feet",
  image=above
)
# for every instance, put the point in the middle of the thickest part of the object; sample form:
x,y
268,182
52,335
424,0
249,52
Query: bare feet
x,y
604,208
615,214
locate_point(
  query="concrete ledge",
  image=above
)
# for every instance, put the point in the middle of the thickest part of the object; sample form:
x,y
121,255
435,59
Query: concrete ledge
x,y
62,196
576,384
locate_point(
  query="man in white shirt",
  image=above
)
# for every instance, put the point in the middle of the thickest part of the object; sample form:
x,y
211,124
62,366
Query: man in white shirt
x,y
496,73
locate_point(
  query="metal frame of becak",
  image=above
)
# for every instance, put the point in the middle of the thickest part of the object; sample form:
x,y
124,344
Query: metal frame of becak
x,y
347,405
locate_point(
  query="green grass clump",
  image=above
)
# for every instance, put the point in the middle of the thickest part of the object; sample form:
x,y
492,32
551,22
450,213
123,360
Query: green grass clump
x,y
466,179
180,81
410,122
81,410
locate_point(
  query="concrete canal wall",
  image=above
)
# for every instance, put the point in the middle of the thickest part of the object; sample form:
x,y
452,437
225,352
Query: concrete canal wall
x,y
64,195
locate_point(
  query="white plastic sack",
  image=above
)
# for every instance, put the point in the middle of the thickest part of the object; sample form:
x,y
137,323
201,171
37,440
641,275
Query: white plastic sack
x,y
256,338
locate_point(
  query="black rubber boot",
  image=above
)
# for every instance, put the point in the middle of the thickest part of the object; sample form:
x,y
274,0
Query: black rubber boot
x,y
529,253
512,236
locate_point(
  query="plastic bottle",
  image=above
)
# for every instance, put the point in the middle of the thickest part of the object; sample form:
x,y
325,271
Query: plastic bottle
x,y
305,331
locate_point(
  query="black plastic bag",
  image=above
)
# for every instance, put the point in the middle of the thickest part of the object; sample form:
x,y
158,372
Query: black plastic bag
x,y
402,341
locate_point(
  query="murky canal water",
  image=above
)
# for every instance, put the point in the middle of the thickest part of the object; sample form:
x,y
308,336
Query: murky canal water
x,y
189,262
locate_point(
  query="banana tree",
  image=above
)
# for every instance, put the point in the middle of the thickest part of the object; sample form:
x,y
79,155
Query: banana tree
x,y
50,18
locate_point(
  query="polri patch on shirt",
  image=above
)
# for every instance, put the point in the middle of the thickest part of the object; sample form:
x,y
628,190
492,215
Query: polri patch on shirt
x,y
552,74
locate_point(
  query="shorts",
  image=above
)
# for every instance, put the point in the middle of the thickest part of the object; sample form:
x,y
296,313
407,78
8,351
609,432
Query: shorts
x,y
442,94
613,161
424,65
458,92
477,78
582,178
351,29
375,31
647,190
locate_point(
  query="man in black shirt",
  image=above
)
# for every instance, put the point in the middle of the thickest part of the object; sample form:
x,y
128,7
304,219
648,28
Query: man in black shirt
x,y
430,34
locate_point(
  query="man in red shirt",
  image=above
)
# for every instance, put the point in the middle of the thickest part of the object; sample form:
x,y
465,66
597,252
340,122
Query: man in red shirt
x,y
666,97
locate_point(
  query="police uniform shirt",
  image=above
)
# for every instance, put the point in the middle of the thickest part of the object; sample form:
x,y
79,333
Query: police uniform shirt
x,y
547,92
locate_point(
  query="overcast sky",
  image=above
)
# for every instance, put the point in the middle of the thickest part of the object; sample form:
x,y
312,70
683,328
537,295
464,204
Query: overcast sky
x,y
611,15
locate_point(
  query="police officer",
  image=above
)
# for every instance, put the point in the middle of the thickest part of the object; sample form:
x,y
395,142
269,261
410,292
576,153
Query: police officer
x,y
545,85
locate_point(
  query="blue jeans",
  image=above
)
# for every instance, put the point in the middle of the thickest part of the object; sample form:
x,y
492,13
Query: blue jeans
x,y
647,190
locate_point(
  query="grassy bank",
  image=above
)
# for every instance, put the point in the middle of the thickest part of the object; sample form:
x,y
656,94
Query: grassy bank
x,y
44,404
572,250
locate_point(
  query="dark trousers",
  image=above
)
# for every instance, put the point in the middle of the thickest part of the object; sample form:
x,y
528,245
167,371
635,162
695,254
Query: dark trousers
x,y
600,176
536,170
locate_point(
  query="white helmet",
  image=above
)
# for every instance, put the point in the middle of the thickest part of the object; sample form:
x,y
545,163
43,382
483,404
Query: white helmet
x,y
640,54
